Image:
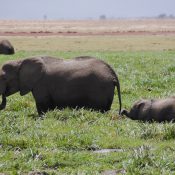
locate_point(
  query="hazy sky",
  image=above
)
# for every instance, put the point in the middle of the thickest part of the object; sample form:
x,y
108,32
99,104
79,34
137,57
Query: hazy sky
x,y
83,9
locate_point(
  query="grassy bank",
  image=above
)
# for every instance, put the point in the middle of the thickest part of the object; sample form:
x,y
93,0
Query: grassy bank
x,y
64,141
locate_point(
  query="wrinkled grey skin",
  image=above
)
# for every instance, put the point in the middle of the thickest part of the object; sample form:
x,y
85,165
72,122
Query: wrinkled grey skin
x,y
57,83
6,47
152,110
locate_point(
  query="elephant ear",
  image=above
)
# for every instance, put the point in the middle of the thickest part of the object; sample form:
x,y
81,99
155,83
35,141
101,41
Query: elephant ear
x,y
31,71
135,110
140,105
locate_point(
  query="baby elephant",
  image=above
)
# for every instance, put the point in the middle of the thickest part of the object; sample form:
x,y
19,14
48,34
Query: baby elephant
x,y
152,110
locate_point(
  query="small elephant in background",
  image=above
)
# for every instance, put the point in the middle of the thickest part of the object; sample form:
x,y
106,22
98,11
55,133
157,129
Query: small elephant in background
x,y
6,48
159,110
57,83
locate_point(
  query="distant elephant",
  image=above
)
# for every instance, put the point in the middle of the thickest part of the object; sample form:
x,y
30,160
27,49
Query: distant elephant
x,y
58,83
6,47
152,110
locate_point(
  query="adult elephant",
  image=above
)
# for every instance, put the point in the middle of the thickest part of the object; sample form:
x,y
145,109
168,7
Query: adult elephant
x,y
78,82
6,47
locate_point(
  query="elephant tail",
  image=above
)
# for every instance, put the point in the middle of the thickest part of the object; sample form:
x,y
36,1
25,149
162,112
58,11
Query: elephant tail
x,y
3,103
117,84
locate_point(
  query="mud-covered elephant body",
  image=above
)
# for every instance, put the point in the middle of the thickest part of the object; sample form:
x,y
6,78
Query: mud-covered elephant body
x,y
153,110
6,47
57,83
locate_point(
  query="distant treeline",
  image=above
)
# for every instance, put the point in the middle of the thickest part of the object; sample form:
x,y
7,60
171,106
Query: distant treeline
x,y
160,16
165,16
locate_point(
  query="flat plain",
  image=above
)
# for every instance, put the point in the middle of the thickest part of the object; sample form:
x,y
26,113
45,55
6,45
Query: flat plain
x,y
142,52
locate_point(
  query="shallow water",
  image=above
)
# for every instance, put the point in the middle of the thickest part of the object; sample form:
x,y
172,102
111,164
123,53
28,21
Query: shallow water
x,y
108,150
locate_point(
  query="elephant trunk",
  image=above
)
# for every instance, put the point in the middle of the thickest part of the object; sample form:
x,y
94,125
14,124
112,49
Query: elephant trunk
x,y
3,103
125,112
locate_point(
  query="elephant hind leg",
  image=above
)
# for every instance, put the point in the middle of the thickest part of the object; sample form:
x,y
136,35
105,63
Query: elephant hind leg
x,y
105,99
101,104
44,106
106,108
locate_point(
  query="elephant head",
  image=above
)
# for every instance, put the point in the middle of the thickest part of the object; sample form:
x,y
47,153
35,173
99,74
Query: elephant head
x,y
136,110
21,75
6,47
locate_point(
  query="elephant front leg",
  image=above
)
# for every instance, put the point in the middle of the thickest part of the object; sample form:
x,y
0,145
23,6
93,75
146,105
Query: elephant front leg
x,y
43,102
42,108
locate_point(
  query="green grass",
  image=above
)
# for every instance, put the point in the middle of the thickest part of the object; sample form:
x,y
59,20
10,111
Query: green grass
x,y
63,142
